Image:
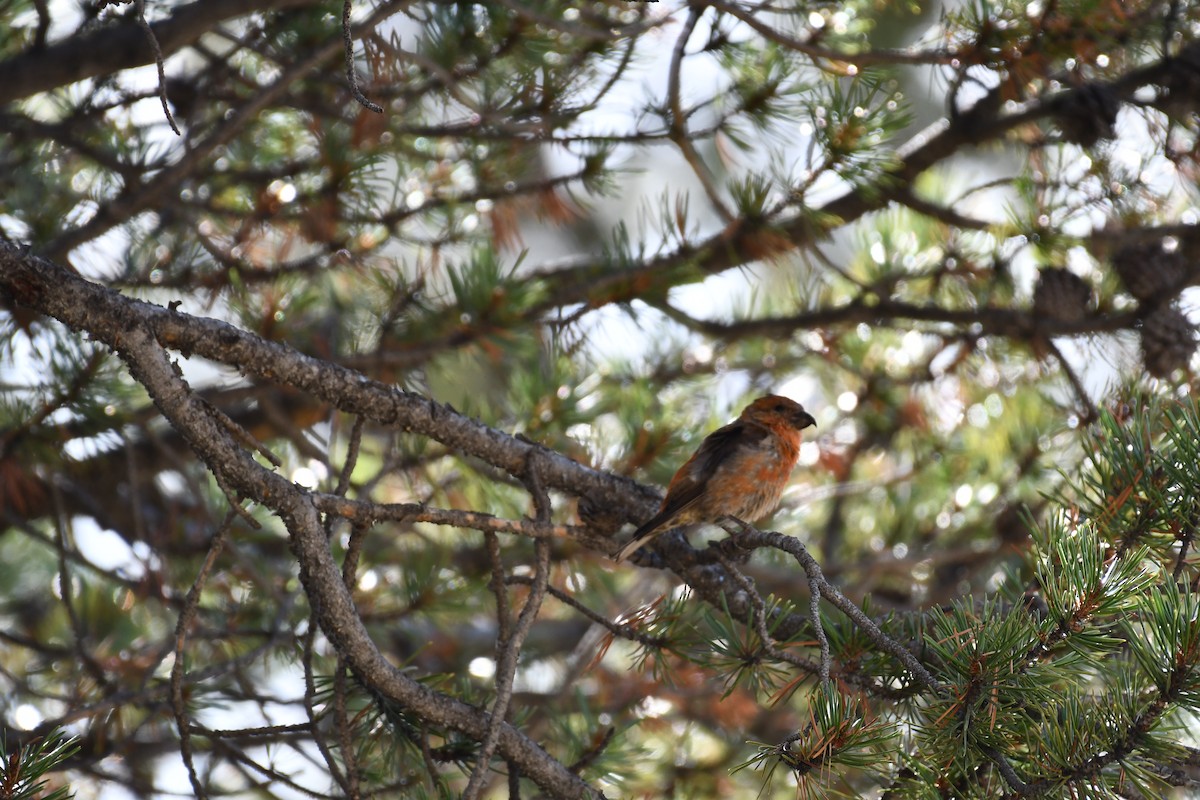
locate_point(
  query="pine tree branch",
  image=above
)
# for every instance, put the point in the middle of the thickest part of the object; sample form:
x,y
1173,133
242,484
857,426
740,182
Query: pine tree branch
x,y
735,245
53,290
751,537
616,628
127,326
679,132
135,199
759,619
751,16
1010,775
1015,324
351,72
110,49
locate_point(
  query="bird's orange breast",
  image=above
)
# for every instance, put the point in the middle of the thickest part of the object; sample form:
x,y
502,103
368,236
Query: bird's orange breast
x,y
749,484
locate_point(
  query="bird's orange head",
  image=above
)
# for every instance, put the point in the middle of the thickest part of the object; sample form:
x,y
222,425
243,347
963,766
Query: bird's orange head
x,y
774,411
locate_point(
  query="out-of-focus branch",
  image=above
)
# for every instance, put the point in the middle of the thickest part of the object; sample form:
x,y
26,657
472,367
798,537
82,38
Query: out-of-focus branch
x,y
186,616
749,537
137,199
598,284
110,49
679,132
1007,322
510,646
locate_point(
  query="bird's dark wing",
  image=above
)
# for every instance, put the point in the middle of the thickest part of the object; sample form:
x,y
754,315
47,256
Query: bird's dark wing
x,y
688,485
723,443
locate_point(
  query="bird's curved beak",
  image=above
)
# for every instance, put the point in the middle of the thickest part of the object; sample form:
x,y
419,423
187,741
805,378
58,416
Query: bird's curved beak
x,y
804,420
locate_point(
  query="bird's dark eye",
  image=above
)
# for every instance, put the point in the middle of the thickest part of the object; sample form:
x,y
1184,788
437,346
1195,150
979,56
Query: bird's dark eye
x,y
780,407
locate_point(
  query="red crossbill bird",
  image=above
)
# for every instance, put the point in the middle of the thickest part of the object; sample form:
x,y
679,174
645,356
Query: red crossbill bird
x,y
739,471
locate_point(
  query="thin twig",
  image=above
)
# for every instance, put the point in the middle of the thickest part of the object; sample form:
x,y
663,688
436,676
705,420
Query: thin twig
x,y
135,499
1090,414
235,502
759,618
496,584
367,512
358,534
750,536
351,457
947,214
66,593
514,781
351,73
436,783
310,705
679,128
342,726
43,26
593,752
158,61
616,628
186,615
1186,537
244,436
814,612
1010,775
506,668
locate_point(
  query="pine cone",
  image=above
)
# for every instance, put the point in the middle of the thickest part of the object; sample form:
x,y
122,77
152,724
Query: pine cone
x,y
1087,115
1168,341
1148,271
1062,295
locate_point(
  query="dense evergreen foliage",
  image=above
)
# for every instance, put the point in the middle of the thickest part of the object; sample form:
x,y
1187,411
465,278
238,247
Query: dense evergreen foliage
x,y
321,422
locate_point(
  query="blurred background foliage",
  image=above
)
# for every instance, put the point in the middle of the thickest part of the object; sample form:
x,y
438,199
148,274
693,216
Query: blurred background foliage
x,y
962,234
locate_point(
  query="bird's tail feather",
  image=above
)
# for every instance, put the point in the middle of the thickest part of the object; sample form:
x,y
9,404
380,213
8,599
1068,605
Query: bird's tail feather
x,y
649,529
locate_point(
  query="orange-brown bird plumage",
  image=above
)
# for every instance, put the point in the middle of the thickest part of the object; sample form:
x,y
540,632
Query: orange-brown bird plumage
x,y
739,471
